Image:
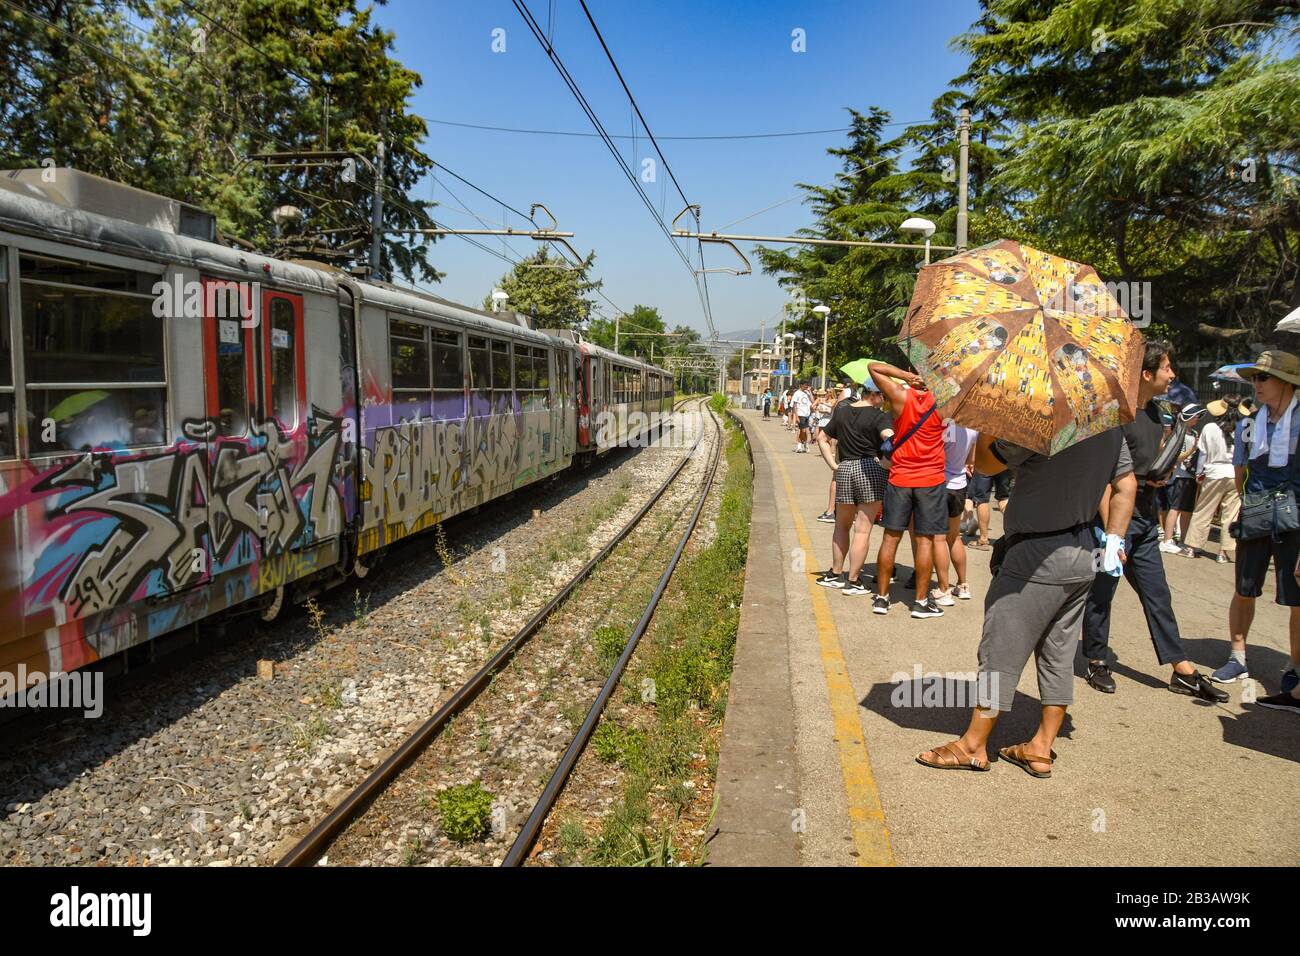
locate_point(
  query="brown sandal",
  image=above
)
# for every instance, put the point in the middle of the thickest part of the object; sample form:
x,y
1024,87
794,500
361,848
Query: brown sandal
x,y
1022,759
953,757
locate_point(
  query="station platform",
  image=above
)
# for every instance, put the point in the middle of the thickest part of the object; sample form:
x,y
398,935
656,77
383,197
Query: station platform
x,y
817,761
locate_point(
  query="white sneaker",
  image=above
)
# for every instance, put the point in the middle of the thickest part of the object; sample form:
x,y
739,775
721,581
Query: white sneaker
x,y
942,598
1169,547
962,592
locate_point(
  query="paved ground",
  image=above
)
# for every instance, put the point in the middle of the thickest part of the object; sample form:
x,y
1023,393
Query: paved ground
x,y
817,763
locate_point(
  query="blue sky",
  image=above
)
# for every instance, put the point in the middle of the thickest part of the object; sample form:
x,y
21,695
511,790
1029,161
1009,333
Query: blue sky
x,y
695,69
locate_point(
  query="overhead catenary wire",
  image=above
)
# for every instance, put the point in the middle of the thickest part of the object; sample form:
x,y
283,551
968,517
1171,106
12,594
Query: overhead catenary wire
x,y
578,95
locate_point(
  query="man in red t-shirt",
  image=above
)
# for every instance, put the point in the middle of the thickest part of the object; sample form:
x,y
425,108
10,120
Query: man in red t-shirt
x,y
916,495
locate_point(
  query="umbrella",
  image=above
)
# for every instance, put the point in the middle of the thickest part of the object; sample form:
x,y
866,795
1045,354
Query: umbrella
x,y
1230,373
858,370
77,403
1024,345
1289,322
1180,394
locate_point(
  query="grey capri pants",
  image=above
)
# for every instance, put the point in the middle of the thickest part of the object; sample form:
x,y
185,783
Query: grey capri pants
x,y
1025,617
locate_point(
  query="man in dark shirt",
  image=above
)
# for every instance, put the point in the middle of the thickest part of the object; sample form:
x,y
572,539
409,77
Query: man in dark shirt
x,y
1035,603
1145,568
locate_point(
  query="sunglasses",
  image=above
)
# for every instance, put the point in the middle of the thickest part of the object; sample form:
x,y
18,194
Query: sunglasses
x,y
1260,377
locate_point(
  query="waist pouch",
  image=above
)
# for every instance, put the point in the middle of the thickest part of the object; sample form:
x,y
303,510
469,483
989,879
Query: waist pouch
x,y
1266,514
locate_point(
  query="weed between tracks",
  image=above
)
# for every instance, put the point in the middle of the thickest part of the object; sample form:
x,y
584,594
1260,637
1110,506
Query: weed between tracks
x,y
672,700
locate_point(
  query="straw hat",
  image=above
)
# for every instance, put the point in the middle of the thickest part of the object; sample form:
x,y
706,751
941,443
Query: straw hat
x,y
1218,408
1281,365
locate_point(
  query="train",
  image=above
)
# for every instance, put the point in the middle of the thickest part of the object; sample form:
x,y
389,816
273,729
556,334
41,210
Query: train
x,y
190,428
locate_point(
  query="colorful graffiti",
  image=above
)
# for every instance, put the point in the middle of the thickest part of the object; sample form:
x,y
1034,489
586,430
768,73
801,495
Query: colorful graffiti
x,y
181,517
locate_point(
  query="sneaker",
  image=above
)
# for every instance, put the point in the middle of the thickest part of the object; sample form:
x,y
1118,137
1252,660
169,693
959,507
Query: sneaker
x,y
1168,547
1098,678
855,588
829,579
962,592
1290,677
1222,558
1230,672
926,608
1280,702
1196,685
942,598
827,517
1185,551
880,604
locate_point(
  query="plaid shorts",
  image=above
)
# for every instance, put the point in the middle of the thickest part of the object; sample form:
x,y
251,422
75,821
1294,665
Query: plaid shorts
x,y
860,482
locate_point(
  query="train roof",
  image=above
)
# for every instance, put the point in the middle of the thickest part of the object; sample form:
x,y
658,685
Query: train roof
x,y
420,303
30,206
591,348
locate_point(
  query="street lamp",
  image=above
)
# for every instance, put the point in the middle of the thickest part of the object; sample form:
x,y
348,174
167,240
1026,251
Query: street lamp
x,y
921,227
825,313
788,342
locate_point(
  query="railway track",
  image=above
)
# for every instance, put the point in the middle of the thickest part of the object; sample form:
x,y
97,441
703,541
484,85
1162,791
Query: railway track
x,y
311,847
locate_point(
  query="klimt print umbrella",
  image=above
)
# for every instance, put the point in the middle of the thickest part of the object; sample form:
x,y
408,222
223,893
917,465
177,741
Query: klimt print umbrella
x,y
1024,345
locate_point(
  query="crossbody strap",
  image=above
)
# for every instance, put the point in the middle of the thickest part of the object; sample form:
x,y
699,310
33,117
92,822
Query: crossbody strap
x,y
912,431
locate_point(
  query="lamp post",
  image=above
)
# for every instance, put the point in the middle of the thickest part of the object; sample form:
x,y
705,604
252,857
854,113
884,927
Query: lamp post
x,y
788,339
921,227
825,313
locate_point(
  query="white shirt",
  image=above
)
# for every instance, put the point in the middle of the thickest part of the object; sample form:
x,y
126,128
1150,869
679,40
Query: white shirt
x,y
802,403
1216,460
957,443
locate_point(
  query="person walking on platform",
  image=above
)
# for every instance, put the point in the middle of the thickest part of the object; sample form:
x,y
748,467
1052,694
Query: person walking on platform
x,y
1144,569
1218,482
1267,462
802,403
1040,584
981,490
915,495
950,550
857,429
767,403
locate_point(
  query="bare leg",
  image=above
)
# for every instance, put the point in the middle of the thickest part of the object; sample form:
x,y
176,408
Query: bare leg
x,y
840,540
830,505
957,548
982,513
924,563
941,548
885,560
866,515
1241,613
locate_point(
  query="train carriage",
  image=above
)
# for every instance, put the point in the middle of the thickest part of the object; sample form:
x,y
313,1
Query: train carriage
x,y
622,400
187,427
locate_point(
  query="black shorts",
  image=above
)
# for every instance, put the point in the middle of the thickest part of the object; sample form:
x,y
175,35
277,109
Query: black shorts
x,y
927,508
979,488
956,502
803,421
1252,567
1179,495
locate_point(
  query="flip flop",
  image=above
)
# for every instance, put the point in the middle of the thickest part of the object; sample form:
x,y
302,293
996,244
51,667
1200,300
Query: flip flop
x,y
953,757
1017,755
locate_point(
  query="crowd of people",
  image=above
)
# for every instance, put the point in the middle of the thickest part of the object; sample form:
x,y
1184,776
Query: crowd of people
x,y
1074,523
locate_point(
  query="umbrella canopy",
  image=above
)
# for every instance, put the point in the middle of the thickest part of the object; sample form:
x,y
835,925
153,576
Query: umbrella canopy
x,y
77,403
1024,345
1230,373
858,370
1289,322
1180,393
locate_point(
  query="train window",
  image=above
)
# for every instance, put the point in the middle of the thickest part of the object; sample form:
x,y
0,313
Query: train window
x,y
480,364
232,381
523,368
93,356
541,370
284,366
500,365
448,361
408,346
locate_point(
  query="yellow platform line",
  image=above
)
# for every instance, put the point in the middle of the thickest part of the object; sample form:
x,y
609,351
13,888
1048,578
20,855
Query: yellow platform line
x,y
866,815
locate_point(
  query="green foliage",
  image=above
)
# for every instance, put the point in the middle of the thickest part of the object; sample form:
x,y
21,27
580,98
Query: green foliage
x,y
609,641
632,337
547,288
466,811
178,105
718,402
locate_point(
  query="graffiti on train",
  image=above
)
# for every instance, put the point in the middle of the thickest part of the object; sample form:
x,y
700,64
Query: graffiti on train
x,y
182,515
415,468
